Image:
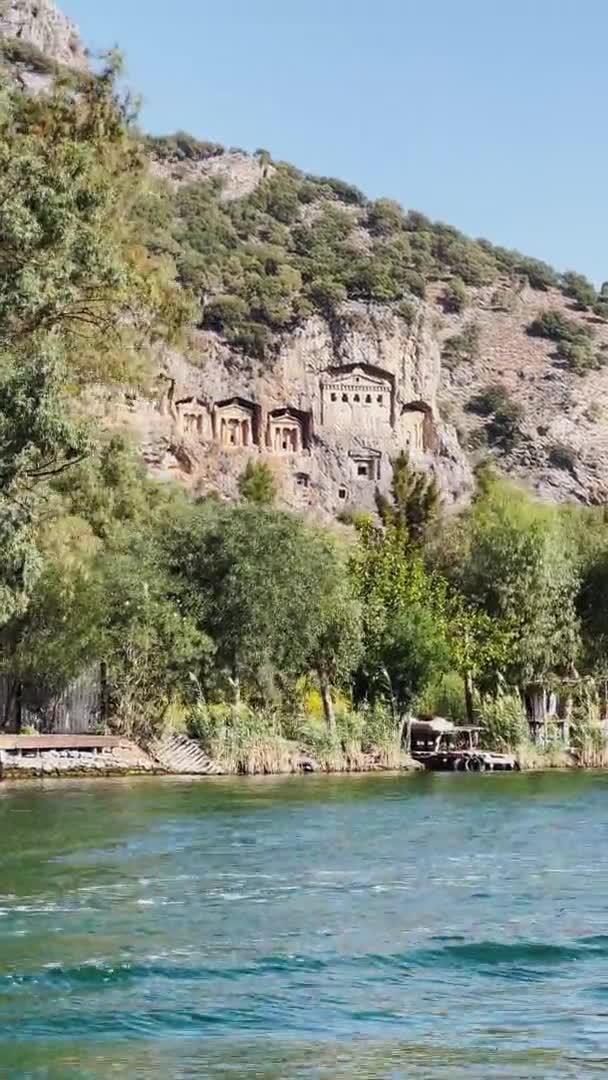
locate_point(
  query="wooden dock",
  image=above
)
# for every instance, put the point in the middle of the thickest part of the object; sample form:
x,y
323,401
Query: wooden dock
x,y
18,743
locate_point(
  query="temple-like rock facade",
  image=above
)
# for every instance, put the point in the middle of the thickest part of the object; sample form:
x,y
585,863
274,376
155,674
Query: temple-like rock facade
x,y
328,415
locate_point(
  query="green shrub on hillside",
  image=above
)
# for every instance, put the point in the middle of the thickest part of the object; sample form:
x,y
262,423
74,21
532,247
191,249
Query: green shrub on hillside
x,y
553,325
489,400
462,347
540,275
579,356
414,282
257,483
579,288
504,431
455,296
384,217
575,345
505,416
300,244
562,457
346,193
18,51
406,311
183,146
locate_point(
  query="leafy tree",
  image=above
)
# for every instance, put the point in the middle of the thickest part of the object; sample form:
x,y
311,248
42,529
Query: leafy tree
x,y
413,651
153,650
403,630
516,565
270,592
75,287
257,483
415,500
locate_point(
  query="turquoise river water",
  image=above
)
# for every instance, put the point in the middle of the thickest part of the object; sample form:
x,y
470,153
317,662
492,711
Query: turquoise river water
x,y
420,925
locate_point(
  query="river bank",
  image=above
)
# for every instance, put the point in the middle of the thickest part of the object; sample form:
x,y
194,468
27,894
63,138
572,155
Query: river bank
x,y
47,756
123,758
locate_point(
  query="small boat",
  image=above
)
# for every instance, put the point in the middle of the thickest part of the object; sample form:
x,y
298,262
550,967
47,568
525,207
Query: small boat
x,y
442,746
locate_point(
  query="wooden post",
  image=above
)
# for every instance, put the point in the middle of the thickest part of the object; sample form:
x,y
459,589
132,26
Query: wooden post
x,y
326,698
468,697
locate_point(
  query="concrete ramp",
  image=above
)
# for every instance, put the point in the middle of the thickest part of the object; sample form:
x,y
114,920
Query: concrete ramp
x,y
179,754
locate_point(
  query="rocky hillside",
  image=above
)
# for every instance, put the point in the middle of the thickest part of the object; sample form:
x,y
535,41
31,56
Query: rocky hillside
x,y
334,331
35,39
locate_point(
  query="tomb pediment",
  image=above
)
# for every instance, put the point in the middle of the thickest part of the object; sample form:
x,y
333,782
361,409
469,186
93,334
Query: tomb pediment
x,y
289,430
235,407
191,404
357,396
356,378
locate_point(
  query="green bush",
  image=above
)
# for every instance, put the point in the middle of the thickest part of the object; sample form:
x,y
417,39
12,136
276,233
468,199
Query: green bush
x,y
503,722
346,193
407,311
579,288
415,283
579,356
225,312
505,416
326,294
257,484
19,51
553,325
540,275
183,146
462,347
384,217
504,431
489,400
455,296
562,457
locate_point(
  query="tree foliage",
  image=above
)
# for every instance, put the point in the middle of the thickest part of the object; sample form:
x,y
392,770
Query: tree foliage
x,y
257,483
414,503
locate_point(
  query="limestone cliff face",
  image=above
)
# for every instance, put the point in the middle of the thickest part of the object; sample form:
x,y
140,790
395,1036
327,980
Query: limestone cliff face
x,y
41,24
334,402
338,403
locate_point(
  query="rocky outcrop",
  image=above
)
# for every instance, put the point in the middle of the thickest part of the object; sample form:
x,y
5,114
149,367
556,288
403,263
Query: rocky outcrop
x,y
337,404
562,446
41,24
238,173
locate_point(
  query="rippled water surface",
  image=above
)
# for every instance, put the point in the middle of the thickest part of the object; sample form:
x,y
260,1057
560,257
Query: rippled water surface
x,y
437,926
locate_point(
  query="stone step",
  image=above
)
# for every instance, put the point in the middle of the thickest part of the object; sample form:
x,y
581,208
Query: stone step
x,y
179,754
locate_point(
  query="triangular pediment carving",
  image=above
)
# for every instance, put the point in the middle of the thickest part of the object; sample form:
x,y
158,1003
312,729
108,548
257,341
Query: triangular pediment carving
x,y
357,375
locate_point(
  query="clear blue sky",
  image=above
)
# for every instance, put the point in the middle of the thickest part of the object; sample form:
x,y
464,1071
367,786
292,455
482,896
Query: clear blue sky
x,y
488,114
